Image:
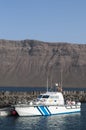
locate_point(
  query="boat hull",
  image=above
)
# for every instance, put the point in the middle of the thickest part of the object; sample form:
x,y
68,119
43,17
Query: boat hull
x,y
5,112
46,110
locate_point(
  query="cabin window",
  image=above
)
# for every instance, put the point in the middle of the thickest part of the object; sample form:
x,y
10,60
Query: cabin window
x,y
40,96
45,96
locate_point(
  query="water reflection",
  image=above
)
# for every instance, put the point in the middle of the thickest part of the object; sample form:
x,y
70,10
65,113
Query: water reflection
x,y
83,117
29,123
62,122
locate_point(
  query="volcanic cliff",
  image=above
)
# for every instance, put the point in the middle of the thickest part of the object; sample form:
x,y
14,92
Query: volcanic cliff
x,y
31,62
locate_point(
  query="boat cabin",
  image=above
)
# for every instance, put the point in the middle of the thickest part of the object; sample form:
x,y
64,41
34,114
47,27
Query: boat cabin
x,y
50,98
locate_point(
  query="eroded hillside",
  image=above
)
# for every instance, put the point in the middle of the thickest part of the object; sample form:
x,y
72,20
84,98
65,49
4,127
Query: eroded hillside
x,y
28,62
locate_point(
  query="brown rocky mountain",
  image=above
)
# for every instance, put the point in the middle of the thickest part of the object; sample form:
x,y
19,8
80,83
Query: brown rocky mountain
x,y
30,62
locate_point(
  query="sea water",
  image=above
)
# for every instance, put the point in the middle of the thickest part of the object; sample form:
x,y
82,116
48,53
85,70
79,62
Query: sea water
x,y
28,89
55,122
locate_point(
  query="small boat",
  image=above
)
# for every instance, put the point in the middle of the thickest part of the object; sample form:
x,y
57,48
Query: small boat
x,y
47,104
6,111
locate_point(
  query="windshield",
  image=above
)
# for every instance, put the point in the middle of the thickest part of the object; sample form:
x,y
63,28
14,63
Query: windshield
x,y
45,96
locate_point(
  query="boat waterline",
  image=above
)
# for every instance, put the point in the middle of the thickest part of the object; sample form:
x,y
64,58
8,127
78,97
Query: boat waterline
x,y
41,110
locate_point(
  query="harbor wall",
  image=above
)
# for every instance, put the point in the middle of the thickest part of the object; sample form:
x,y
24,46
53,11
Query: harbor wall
x,y
8,98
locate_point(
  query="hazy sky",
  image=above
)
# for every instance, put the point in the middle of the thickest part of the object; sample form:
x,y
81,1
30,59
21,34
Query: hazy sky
x,y
45,20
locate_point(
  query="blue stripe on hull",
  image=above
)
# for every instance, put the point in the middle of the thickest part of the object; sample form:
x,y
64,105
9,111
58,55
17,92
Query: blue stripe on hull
x,y
44,110
48,110
40,110
67,113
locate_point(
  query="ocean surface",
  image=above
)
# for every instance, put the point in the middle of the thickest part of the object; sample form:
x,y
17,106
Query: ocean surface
x,y
55,122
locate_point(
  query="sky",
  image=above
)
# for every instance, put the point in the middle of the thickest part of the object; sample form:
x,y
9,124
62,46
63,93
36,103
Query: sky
x,y
43,20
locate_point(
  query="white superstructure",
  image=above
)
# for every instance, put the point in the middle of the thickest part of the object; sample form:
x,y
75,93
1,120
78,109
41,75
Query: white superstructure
x,y
49,103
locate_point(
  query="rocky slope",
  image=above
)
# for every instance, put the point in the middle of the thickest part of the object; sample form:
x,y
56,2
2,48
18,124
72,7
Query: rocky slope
x,y
30,62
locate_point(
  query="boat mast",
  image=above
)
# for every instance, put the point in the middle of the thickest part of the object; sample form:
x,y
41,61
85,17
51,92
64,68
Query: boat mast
x,y
47,83
61,79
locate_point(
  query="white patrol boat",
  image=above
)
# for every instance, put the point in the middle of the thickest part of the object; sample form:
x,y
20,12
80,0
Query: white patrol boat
x,y
49,103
